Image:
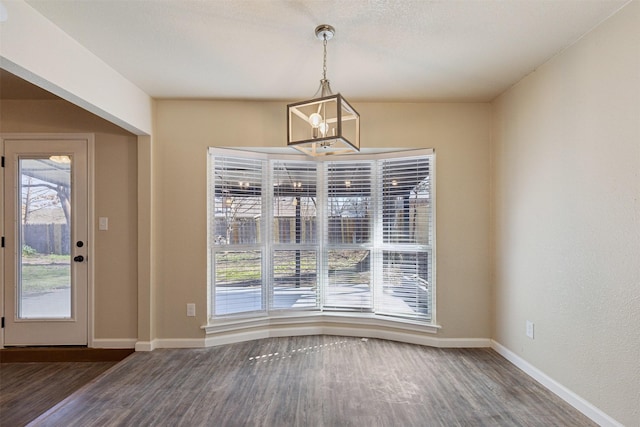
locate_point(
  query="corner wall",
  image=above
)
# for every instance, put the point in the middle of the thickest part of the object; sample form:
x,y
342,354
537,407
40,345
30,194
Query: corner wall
x,y
458,132
566,165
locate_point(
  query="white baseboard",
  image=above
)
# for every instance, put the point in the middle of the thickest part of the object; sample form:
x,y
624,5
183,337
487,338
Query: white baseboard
x,y
170,343
588,409
145,345
179,343
113,343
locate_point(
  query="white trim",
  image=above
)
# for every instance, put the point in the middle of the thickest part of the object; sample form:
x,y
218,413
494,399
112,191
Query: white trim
x,y
342,324
170,343
293,320
145,346
582,405
179,343
36,50
289,154
114,343
90,202
434,239
91,247
2,233
375,247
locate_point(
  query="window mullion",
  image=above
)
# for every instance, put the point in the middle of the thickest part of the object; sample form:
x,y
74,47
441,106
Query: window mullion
x,y
323,265
376,218
267,238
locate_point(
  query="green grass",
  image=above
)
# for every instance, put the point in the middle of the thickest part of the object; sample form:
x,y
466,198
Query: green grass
x,y
244,267
44,277
44,273
238,266
38,258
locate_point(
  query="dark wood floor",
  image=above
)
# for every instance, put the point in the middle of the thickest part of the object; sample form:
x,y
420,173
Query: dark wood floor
x,y
30,389
314,381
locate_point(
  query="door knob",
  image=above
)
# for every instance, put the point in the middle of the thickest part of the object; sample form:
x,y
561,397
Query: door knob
x,y
78,258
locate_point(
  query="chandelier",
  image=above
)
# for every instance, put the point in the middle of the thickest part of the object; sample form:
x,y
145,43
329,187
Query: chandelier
x,y
327,123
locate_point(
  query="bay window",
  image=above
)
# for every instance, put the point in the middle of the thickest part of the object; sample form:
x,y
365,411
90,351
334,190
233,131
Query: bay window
x,y
348,234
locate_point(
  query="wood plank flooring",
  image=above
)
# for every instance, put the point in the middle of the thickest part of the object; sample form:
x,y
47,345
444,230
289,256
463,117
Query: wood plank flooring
x,y
30,389
62,354
314,381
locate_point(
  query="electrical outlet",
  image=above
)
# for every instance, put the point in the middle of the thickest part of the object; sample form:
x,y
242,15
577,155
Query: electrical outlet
x,y
530,329
191,310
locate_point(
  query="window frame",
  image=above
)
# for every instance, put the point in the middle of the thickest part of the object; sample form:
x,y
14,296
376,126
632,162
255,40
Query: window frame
x,y
375,245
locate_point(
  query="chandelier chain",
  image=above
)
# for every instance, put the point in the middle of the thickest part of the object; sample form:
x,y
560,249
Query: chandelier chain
x,y
324,59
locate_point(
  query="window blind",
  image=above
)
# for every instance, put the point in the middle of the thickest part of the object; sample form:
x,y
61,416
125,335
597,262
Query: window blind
x,y
405,279
236,240
237,186
348,202
353,233
406,218
406,207
294,202
294,279
238,282
349,209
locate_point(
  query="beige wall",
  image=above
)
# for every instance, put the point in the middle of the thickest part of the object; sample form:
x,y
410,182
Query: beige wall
x,y
458,132
566,151
115,195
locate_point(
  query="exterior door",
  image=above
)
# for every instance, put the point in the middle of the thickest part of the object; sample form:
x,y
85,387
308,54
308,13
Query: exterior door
x,y
45,254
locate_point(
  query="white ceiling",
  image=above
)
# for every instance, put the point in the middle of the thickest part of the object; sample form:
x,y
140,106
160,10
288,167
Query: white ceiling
x,y
383,50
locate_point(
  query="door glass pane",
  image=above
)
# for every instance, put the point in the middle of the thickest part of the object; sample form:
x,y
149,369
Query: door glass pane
x,y
44,280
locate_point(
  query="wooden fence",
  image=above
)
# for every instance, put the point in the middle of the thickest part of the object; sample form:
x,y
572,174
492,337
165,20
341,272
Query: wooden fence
x,y
47,238
247,230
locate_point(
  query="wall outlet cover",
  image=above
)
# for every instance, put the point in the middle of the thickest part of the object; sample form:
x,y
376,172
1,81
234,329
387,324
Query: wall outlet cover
x,y
530,329
191,310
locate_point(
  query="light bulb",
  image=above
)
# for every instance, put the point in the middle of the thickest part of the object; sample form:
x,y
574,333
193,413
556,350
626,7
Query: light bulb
x,y
315,119
324,127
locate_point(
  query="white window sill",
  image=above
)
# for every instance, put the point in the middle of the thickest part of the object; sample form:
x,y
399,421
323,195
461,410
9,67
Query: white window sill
x,y
226,331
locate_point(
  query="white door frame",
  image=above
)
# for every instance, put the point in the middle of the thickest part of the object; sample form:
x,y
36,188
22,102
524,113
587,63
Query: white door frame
x,y
90,139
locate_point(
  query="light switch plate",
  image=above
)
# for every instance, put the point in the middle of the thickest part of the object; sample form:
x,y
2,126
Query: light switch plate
x,y
103,223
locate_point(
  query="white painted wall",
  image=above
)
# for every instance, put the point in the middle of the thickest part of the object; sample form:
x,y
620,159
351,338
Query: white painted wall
x,y
566,165
34,49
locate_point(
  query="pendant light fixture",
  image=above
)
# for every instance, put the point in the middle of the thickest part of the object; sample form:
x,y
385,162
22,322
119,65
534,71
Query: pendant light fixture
x,y
327,123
